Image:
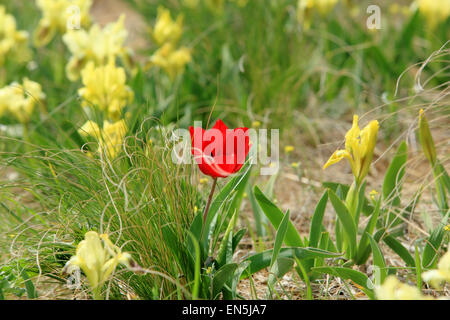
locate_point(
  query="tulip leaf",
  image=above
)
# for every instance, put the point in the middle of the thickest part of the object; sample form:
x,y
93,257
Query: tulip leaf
x,y
222,276
346,220
380,272
236,184
275,216
196,226
433,244
364,241
366,206
225,253
278,269
237,276
279,238
316,221
349,274
262,260
258,214
394,174
399,249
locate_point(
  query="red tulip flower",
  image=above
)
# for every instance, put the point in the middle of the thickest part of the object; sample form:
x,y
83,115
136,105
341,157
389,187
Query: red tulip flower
x,y
219,151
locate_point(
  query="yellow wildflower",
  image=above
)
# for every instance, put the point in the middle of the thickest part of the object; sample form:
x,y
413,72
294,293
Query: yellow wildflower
x,y
166,29
113,135
13,43
306,9
105,88
426,140
288,149
20,99
203,180
393,289
373,194
434,11
96,45
110,137
97,257
170,60
59,16
295,164
441,274
447,227
256,124
359,148
90,128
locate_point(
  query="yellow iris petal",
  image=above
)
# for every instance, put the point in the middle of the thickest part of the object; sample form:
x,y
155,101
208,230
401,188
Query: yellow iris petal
x,y
359,148
441,274
393,289
337,156
97,257
166,29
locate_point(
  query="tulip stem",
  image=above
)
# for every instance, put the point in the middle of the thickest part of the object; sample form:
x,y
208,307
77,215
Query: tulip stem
x,y
208,204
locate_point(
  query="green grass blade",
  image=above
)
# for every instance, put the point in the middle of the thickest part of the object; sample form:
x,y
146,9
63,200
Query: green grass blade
x,y
29,286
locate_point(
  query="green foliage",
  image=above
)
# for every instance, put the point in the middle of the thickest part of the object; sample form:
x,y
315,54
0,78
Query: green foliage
x,y
275,216
148,203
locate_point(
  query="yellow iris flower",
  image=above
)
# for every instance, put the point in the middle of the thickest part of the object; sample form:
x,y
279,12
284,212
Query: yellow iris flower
x,y
359,148
166,29
57,15
13,43
96,45
434,11
19,100
171,60
393,289
373,195
105,88
166,33
97,257
110,137
441,274
306,9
